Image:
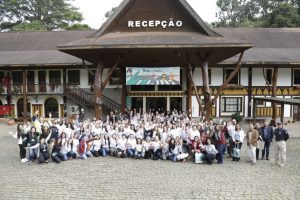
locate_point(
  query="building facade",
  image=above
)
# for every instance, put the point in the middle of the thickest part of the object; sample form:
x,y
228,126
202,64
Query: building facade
x,y
63,84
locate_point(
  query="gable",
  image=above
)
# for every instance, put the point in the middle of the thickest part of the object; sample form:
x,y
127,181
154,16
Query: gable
x,y
155,16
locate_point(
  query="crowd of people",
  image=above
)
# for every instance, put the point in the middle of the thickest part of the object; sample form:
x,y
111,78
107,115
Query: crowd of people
x,y
170,136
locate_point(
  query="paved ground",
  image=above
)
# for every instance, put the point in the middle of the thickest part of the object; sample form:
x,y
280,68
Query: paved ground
x,y
111,178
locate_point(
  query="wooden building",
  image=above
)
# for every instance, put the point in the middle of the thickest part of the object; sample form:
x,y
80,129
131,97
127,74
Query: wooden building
x,y
222,69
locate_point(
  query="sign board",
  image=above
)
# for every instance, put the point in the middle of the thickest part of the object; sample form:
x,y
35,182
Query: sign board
x,y
153,76
74,110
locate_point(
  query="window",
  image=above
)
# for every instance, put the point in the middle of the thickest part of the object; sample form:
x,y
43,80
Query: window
x,y
260,103
116,77
55,77
234,80
74,77
296,80
232,104
269,76
92,77
2,75
17,77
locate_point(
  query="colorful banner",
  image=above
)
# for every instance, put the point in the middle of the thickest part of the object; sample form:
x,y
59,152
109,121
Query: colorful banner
x,y
153,76
5,110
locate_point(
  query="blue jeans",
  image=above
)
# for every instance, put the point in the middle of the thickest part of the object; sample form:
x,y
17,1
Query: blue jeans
x,y
105,152
64,157
173,157
33,154
221,149
139,154
130,152
157,154
266,150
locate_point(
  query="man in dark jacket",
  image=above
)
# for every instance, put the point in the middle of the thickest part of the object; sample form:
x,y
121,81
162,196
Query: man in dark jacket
x,y
267,134
281,135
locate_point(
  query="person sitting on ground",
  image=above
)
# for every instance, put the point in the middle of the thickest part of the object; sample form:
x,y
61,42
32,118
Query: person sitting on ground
x,y
210,152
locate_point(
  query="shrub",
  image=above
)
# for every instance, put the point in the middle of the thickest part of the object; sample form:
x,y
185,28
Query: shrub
x,y
237,117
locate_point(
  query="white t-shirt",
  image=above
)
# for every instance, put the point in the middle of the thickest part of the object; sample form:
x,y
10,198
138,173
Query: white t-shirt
x,y
131,144
75,145
121,144
194,133
97,145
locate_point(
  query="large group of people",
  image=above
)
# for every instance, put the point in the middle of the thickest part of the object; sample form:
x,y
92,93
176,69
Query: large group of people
x,y
170,136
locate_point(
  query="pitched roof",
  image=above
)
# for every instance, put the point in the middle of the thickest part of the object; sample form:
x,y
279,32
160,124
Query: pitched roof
x,y
271,46
117,36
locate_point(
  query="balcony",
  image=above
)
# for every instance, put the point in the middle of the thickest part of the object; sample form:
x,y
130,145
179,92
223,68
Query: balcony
x,y
35,88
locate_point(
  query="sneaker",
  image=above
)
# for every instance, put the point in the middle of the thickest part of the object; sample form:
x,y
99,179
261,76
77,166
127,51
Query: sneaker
x,y
22,161
26,160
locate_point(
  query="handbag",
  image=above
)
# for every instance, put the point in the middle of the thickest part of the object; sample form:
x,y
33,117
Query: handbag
x,y
199,157
236,152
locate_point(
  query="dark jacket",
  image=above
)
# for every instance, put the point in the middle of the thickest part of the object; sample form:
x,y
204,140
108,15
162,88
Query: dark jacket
x,y
270,134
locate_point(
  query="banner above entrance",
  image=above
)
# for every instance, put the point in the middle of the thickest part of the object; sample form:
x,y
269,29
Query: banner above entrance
x,y
153,76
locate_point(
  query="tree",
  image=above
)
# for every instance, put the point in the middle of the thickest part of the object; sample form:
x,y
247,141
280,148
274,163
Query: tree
x,y
28,15
258,13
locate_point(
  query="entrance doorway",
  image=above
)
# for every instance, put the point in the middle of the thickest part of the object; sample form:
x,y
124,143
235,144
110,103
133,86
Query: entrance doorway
x,y
20,108
176,103
156,104
296,113
51,106
137,104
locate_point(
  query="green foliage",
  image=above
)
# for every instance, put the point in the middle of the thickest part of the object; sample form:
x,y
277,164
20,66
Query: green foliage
x,y
237,117
258,13
28,15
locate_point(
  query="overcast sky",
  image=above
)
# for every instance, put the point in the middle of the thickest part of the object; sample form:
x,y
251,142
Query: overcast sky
x,y
93,10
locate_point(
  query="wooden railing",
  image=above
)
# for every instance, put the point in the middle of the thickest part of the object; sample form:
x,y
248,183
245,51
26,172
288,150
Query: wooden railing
x,y
89,99
35,88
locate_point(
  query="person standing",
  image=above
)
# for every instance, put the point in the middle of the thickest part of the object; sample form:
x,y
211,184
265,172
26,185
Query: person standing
x,y
260,143
267,136
281,135
252,137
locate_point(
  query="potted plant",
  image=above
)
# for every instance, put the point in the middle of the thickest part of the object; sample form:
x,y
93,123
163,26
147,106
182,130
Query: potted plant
x,y
11,120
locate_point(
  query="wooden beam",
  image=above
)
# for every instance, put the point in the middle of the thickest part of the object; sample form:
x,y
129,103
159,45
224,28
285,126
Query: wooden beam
x,y
282,114
24,97
274,91
231,76
189,89
105,82
124,91
98,90
207,94
190,69
254,110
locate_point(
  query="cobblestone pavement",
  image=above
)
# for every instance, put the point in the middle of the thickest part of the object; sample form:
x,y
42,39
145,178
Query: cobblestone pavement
x,y
112,178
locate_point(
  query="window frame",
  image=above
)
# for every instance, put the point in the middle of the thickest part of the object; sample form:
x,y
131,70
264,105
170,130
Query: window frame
x,y
293,77
56,82
266,74
238,74
75,82
224,104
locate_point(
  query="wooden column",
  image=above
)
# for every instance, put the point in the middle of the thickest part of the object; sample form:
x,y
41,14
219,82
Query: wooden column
x,y
189,90
254,110
98,90
282,113
9,96
274,91
124,91
24,97
207,94
250,88
65,91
